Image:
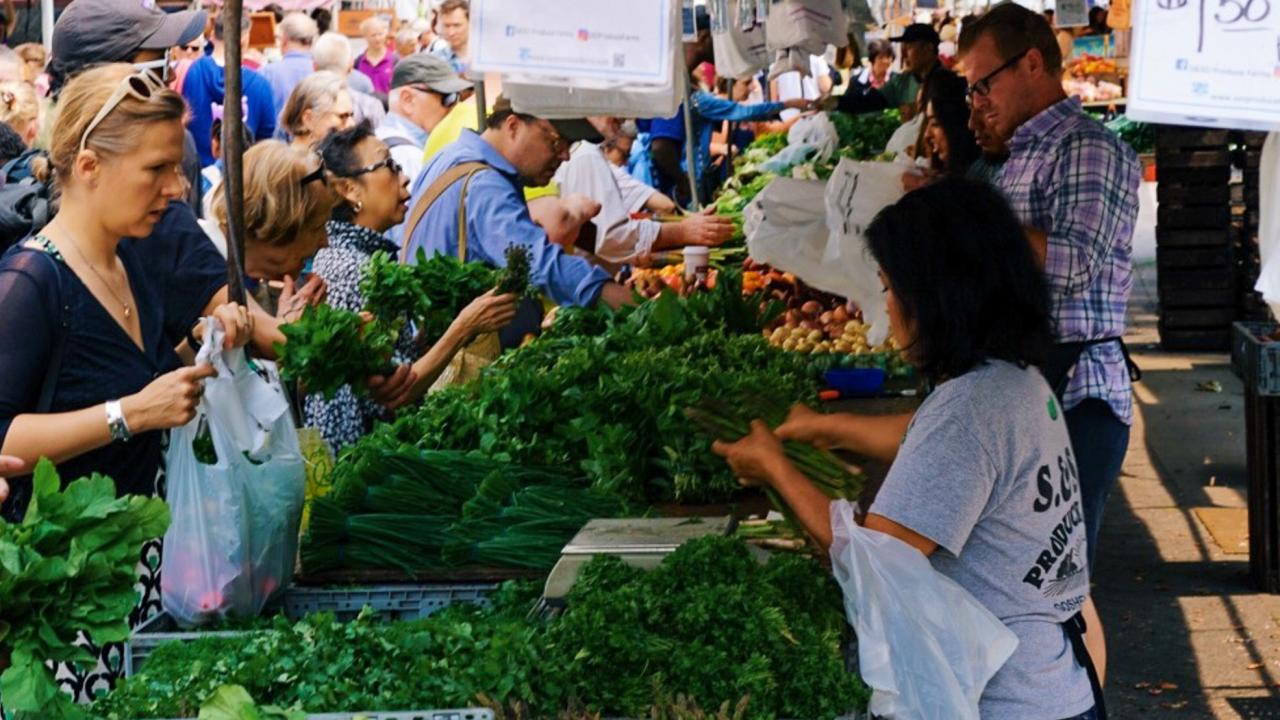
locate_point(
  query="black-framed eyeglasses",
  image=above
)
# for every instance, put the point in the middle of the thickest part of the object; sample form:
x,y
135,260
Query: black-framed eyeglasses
x,y
983,86
387,162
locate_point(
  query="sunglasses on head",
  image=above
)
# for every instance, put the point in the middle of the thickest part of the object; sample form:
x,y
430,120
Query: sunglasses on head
x,y
140,86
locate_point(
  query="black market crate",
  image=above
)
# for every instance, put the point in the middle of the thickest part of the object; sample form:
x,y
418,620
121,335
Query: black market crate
x,y
1251,138
1195,218
1259,359
1256,357
1196,288
389,602
1193,158
1248,158
1209,318
1172,237
1195,339
1177,175
1195,258
1245,194
1193,195
1175,137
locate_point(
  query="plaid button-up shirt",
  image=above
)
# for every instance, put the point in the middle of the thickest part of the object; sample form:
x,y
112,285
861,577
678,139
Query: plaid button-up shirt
x,y
1070,177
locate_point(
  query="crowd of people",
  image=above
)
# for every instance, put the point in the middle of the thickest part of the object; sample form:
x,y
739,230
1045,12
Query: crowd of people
x,y
1006,266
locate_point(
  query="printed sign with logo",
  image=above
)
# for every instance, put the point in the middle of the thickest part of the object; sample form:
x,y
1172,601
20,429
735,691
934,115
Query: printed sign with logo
x,y
585,39
1071,13
1206,63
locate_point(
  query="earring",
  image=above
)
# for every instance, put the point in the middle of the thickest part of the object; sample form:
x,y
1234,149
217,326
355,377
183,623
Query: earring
x,y
358,207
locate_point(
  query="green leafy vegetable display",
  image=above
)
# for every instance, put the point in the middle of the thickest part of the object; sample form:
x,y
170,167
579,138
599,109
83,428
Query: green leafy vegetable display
x,y
1140,136
514,278
232,702
603,393
68,567
711,625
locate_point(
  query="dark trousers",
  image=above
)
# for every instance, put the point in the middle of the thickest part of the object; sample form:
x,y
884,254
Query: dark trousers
x,y
1100,441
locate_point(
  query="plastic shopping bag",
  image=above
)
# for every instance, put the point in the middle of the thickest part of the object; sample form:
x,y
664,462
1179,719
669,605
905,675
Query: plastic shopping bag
x,y
810,25
926,647
236,482
738,52
817,131
1269,224
856,192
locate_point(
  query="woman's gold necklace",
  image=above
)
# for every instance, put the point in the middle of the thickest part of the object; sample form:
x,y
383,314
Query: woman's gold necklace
x,y
128,311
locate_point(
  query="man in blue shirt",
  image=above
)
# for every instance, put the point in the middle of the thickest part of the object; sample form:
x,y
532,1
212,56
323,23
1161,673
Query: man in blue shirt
x,y
297,32
516,149
203,89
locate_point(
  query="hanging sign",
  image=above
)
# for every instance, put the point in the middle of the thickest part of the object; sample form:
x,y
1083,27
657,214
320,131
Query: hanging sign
x,y
570,39
1206,63
1071,13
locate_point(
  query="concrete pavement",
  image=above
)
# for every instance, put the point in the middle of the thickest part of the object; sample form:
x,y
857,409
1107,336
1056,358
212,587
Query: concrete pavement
x,y
1188,636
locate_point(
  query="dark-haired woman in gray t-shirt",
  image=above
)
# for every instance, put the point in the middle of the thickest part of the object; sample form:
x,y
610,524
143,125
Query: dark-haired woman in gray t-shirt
x,y
984,478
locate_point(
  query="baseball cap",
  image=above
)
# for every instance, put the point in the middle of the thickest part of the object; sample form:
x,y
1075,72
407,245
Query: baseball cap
x,y
429,70
90,32
573,129
918,32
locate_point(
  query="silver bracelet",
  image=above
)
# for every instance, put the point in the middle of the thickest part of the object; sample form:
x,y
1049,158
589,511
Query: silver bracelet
x,y
116,422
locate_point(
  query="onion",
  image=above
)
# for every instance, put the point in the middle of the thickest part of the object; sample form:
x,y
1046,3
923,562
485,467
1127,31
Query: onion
x,y
813,307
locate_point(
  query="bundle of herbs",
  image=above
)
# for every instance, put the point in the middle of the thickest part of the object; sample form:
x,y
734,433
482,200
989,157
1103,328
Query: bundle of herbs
x,y
68,568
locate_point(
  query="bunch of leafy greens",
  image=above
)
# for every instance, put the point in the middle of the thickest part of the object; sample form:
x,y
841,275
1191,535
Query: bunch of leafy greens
x,y
603,393
710,625
863,136
410,510
232,702
330,347
69,567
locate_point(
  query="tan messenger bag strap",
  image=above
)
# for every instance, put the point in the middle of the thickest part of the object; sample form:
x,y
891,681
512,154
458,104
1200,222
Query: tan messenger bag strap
x,y
433,193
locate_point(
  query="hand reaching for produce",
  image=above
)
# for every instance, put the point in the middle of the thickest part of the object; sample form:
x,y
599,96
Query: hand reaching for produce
x,y
8,466
294,299
754,457
707,228
168,402
488,313
805,425
798,104
395,390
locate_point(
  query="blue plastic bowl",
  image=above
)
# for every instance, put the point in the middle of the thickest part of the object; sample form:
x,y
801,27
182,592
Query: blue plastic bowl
x,y
856,381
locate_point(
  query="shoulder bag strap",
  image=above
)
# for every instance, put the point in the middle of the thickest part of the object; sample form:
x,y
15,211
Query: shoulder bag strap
x,y
462,214
433,193
1076,627
50,382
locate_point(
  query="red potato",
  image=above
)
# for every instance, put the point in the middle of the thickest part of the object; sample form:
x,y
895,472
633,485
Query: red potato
x,y
813,307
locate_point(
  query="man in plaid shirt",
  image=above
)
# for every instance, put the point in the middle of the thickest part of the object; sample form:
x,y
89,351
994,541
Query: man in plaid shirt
x,y
1074,185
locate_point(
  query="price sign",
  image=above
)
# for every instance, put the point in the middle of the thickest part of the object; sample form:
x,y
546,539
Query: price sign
x,y
575,39
1206,62
1071,13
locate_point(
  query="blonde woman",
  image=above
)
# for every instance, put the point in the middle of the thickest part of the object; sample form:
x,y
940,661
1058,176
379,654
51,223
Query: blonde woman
x,y
91,378
320,104
20,109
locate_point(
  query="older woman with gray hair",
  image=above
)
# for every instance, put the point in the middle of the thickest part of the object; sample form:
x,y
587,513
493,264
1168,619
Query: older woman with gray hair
x,y
319,105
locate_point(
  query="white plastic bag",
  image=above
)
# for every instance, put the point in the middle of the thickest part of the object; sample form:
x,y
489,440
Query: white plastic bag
x,y
856,192
818,131
738,52
234,536
926,647
810,25
1269,224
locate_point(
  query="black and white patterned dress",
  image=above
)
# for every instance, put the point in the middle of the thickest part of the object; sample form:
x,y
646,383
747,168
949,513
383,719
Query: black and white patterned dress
x,y
347,417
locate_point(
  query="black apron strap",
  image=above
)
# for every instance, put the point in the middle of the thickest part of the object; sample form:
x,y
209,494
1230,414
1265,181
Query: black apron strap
x,y
1065,356
1075,627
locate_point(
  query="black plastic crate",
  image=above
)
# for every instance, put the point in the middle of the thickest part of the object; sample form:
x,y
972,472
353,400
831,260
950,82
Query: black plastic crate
x,y
1176,175
1181,237
1195,258
1198,318
1197,218
1195,280
1251,138
1193,158
1197,298
1193,195
1248,159
1175,137
1195,339
1262,443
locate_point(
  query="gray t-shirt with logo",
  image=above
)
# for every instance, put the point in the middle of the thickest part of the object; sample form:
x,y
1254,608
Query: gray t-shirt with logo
x,y
987,472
